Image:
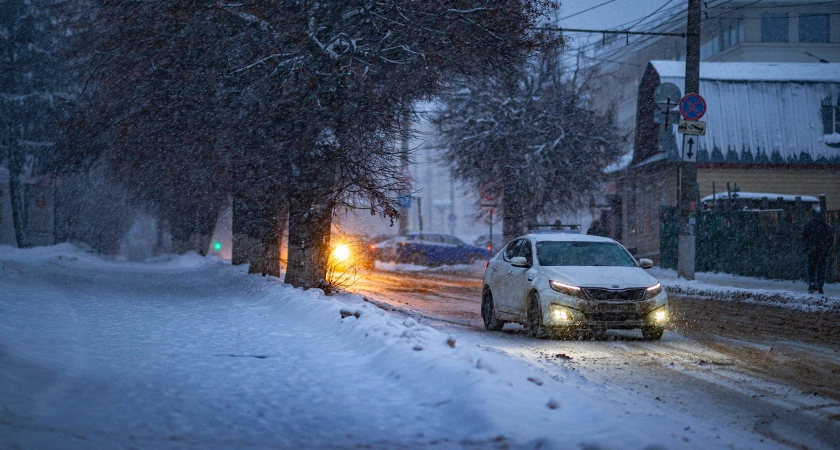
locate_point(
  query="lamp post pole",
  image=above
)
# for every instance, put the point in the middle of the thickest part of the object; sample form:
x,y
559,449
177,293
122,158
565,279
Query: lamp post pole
x,y
688,191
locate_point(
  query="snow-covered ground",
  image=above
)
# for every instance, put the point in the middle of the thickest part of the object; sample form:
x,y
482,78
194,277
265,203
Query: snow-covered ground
x,y
784,293
185,351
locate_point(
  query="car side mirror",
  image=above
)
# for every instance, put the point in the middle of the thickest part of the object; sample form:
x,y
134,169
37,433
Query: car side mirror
x,y
519,261
645,263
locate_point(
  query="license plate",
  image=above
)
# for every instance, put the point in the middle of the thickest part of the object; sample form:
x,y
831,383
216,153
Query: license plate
x,y
617,307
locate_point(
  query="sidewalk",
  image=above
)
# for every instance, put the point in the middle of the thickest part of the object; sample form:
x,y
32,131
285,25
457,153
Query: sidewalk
x,y
785,293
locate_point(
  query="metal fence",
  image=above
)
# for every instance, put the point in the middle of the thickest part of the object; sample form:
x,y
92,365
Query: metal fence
x,y
766,244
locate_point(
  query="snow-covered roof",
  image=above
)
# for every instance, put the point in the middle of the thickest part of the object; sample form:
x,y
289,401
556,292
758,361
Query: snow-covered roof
x,y
761,195
754,71
622,163
571,237
653,159
765,113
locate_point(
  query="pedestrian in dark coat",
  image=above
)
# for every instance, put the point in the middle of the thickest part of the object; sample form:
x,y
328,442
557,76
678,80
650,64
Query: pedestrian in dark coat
x,y
816,240
595,229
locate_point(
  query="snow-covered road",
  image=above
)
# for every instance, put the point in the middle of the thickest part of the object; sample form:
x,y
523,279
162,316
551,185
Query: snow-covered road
x,y
191,352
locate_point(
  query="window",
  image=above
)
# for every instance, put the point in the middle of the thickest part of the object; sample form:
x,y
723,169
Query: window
x,y
581,254
729,36
452,240
512,249
831,120
774,28
813,28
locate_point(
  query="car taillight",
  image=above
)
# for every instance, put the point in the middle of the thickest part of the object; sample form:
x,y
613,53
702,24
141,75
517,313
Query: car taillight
x,y
373,246
486,263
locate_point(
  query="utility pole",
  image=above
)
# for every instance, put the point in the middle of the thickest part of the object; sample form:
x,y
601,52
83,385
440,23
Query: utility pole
x,y
688,191
404,201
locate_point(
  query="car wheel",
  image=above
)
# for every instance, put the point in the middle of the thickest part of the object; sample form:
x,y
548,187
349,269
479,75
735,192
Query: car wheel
x,y
417,258
652,333
535,319
488,312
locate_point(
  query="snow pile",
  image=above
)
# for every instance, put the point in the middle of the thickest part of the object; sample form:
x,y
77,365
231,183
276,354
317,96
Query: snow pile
x,y
782,293
185,351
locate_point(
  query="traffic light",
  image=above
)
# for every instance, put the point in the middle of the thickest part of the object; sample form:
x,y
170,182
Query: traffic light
x,y
217,246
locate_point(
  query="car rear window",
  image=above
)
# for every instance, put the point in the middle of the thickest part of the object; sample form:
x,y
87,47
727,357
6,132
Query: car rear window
x,y
558,253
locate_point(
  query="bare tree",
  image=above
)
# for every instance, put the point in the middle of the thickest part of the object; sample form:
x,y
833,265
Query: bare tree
x,y
348,72
34,96
534,132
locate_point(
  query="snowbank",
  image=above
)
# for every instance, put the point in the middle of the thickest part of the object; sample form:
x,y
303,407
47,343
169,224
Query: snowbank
x,y
782,293
185,351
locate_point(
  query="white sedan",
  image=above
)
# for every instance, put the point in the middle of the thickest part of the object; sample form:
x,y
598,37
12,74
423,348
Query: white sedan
x,y
572,285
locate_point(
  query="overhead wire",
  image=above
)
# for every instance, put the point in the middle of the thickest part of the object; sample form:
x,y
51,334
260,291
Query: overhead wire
x,y
586,10
645,39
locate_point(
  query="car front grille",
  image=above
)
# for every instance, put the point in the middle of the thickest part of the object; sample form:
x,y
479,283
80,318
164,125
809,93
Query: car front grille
x,y
614,294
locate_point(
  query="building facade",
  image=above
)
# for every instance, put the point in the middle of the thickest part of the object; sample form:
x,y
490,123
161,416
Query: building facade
x,y
771,128
765,133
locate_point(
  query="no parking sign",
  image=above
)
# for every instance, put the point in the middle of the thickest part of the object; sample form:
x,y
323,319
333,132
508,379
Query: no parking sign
x,y
692,106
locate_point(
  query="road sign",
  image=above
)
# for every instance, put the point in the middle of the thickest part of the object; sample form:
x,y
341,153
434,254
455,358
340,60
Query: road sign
x,y
667,96
491,190
694,127
689,148
692,107
489,205
404,201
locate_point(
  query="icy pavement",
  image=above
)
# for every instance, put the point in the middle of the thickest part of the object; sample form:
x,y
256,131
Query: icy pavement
x,y
185,351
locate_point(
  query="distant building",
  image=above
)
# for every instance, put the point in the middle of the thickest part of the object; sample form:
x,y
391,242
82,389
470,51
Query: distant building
x,y
771,128
802,31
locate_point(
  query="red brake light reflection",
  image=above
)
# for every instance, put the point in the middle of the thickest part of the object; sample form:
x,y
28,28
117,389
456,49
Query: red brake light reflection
x,y
486,263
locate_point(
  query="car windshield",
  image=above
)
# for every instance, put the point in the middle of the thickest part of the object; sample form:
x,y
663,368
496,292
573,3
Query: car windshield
x,y
559,253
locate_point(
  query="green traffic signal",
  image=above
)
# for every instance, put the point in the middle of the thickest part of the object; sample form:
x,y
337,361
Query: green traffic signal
x,y
217,246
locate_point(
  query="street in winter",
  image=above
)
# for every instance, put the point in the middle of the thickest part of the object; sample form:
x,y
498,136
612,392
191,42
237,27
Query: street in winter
x,y
188,351
472,224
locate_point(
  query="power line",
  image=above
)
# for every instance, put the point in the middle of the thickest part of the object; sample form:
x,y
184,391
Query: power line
x,y
627,32
586,10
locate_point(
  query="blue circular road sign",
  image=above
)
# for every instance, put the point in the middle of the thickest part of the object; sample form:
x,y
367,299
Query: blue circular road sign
x,y
692,107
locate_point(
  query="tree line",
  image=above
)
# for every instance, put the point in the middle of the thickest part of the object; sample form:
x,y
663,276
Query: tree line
x,y
290,108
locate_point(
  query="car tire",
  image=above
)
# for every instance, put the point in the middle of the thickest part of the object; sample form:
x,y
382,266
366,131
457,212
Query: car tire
x,y
652,333
535,319
488,311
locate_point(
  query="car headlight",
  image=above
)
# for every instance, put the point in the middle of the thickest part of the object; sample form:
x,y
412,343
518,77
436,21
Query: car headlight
x,y
560,314
653,291
660,316
567,289
341,253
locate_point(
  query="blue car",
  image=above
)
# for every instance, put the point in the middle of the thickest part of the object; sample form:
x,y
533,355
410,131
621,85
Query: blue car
x,y
436,249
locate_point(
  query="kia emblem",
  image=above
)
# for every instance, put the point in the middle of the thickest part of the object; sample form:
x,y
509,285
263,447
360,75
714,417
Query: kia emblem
x,y
615,286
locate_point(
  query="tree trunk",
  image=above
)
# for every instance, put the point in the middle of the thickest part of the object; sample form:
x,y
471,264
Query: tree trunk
x,y
259,217
17,194
513,219
265,233
310,219
192,231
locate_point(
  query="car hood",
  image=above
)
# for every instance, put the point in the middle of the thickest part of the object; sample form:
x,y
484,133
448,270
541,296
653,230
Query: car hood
x,y
600,276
